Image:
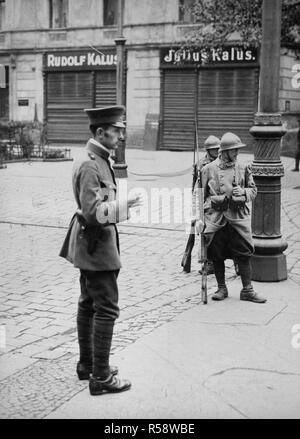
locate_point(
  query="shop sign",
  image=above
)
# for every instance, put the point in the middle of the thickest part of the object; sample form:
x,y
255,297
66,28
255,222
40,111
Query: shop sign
x,y
229,55
87,60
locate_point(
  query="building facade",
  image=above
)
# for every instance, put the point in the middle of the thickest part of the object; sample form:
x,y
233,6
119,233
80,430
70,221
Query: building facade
x,y
59,56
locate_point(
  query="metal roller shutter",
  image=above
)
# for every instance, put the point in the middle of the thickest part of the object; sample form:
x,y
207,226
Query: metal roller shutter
x,y
106,92
177,125
227,101
68,93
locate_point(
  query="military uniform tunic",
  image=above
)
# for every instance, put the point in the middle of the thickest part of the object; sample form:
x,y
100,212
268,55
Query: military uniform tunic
x,y
95,192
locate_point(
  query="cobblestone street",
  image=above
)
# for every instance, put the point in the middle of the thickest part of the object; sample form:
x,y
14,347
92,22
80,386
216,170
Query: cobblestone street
x,y
39,290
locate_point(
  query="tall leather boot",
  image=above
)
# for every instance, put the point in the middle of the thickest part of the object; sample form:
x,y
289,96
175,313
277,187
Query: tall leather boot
x,y
103,380
222,292
84,332
103,332
247,292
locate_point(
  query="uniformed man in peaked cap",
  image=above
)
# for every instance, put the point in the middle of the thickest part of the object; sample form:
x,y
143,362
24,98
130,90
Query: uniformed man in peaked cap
x,y
92,245
229,189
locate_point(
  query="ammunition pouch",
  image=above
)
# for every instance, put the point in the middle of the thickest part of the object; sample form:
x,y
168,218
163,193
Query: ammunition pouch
x,y
219,202
237,203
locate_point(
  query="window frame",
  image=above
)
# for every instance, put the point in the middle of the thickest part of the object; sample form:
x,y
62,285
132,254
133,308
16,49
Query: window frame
x,y
56,12
106,4
182,13
2,14
5,96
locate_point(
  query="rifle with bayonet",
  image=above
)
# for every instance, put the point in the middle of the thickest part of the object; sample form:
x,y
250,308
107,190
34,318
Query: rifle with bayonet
x,y
187,255
202,255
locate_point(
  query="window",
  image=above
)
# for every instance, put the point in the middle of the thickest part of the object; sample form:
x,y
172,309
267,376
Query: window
x,y
186,11
110,12
58,13
4,92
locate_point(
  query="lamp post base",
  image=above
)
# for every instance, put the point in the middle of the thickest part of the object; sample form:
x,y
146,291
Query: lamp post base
x,y
268,261
269,268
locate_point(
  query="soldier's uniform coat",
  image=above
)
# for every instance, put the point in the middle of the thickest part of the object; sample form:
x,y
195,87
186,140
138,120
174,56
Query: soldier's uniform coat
x,y
95,192
218,181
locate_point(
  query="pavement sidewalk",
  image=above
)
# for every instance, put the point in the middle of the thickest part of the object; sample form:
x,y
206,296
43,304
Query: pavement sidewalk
x,y
229,359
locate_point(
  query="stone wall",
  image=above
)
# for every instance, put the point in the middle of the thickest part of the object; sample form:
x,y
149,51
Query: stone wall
x,y
143,93
289,99
27,84
29,14
150,11
289,140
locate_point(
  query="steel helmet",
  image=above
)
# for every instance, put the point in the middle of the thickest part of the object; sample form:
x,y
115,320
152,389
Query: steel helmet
x,y
212,142
230,141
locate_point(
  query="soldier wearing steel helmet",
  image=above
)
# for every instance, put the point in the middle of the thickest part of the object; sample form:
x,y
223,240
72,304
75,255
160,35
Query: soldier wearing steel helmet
x,y
229,189
212,146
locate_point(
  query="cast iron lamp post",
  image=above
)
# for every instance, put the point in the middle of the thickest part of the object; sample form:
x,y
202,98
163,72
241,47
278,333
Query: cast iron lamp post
x,y
268,261
120,167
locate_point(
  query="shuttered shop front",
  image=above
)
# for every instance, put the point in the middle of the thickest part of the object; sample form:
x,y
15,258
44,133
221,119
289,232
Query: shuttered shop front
x,y
68,94
72,83
106,93
222,98
178,109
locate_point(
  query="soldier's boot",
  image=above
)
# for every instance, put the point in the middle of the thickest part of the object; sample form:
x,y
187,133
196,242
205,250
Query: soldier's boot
x,y
84,371
247,292
112,384
250,295
84,332
222,292
102,379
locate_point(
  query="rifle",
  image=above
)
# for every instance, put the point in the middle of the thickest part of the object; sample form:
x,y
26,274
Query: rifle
x,y
187,255
203,246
